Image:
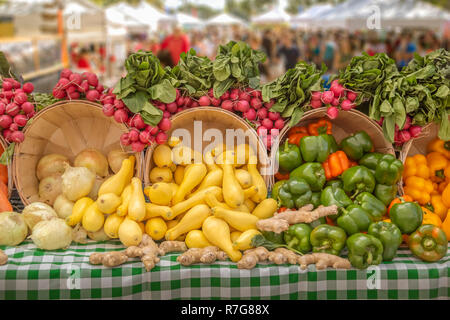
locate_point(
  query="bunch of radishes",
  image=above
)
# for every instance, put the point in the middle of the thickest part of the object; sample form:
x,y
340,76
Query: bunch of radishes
x,y
336,98
408,132
72,86
248,103
15,108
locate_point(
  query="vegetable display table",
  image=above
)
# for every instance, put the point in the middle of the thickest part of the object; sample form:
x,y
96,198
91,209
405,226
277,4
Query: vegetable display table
x,y
35,274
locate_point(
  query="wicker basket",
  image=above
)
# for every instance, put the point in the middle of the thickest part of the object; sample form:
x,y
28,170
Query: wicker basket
x,y
66,127
212,118
348,122
4,145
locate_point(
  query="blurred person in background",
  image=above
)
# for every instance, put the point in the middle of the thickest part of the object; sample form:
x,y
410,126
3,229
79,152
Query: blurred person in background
x,y
176,43
288,51
328,51
427,43
153,45
343,53
357,44
405,50
83,60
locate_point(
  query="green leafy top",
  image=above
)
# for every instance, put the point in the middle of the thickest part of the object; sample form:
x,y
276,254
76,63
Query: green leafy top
x,y
145,80
236,64
194,73
292,90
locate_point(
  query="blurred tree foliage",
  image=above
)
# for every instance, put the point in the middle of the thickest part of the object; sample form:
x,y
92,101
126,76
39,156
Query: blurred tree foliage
x,y
201,11
248,8
156,3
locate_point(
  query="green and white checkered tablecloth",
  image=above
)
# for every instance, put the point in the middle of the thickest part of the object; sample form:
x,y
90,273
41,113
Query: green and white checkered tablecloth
x,y
35,274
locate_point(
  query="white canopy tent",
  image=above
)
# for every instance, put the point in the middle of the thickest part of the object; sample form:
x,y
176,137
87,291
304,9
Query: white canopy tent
x,y
188,21
273,16
305,18
225,19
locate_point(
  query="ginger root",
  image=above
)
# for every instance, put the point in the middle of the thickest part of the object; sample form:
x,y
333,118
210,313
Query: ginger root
x,y
201,255
283,255
108,259
323,260
280,222
172,246
252,256
3,258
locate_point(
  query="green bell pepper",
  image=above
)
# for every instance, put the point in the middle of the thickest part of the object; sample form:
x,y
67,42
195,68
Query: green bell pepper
x,y
276,189
328,239
389,235
313,173
289,157
334,196
271,236
295,193
297,237
407,216
318,222
358,179
428,243
354,219
356,145
315,199
317,148
336,183
386,168
386,193
372,205
364,250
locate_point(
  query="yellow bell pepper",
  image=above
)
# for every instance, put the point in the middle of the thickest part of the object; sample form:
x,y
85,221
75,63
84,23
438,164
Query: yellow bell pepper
x,y
437,164
446,225
416,166
419,189
431,218
439,207
441,146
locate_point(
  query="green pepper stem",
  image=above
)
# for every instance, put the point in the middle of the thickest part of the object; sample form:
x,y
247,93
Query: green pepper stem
x,y
325,245
439,174
369,257
447,145
292,243
428,244
286,145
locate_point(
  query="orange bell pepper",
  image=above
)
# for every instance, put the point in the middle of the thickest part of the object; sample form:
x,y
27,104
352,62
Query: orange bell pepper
x,y
295,134
336,164
439,207
281,176
440,146
446,225
320,127
431,218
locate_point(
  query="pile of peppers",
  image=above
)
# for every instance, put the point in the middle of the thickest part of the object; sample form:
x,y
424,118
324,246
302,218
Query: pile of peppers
x,y
372,221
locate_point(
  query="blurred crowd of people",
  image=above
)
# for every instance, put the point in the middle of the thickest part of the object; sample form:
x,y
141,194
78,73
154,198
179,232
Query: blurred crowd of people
x,y
285,47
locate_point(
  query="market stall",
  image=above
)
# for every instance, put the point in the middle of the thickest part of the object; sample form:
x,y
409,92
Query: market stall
x,y
198,183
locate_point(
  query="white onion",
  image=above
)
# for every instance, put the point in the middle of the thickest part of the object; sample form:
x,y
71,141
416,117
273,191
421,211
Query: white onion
x,y
77,182
13,229
37,212
63,206
52,234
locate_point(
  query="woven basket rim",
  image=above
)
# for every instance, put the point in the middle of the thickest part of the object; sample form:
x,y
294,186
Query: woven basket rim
x,y
10,185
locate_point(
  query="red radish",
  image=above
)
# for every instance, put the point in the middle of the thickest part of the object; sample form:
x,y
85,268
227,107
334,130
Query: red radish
x,y
347,105
118,104
332,112
269,104
12,109
274,132
92,79
28,87
2,108
256,103
215,102
137,146
180,101
225,96
316,104
327,97
204,101
8,95
334,103
234,94
20,120
414,131
244,96
179,109
165,124
227,105
121,115
187,102
262,113
138,122
14,127
334,83
351,95
267,140
274,116
74,95
71,89
211,92
66,73
125,139
166,114
92,95
261,131
144,137
171,107
267,123
161,138
100,88
162,107
84,87
177,93
17,137
279,124
380,122
108,110
7,86
20,98
109,100
31,114
63,83
5,121
75,78
59,94
133,135
27,107
407,124
256,94
153,131
338,90
242,106
404,136
7,134
250,114
316,95
194,104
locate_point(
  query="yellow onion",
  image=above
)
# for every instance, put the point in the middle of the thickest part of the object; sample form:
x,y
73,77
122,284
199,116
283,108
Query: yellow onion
x,y
115,158
52,234
51,164
77,182
13,229
49,188
94,160
63,206
36,212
